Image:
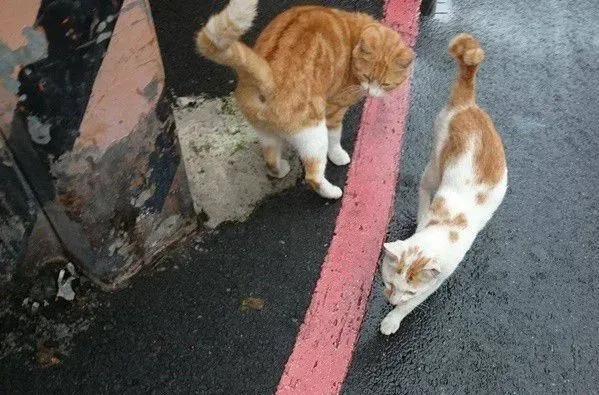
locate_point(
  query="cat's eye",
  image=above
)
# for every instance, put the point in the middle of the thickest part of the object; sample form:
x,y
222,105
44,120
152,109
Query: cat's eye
x,y
365,76
411,293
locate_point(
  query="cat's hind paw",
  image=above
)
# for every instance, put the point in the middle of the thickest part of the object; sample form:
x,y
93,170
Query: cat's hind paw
x,y
281,172
329,191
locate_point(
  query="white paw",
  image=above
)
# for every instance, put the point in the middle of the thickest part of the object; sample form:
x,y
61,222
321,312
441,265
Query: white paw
x,y
330,191
389,325
339,156
283,170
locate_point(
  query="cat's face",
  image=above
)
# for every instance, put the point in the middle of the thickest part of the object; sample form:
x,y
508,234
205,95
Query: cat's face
x,y
407,271
381,60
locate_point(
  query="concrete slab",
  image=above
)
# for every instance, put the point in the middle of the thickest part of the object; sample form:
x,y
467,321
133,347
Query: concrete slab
x,y
226,172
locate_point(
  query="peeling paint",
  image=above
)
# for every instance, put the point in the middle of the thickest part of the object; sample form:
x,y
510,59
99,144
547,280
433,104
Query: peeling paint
x,y
39,131
151,89
142,4
103,37
35,48
107,172
141,64
17,14
143,197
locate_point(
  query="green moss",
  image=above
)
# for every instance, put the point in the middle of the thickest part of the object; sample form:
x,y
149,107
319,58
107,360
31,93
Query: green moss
x,y
238,147
227,107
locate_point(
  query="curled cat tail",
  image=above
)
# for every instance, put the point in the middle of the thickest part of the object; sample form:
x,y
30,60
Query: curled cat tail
x,y
219,41
469,55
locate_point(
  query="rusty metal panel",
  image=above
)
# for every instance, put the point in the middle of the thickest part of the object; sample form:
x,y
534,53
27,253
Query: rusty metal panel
x,y
17,215
88,123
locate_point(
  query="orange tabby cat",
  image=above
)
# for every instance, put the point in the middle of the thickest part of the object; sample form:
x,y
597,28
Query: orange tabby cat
x,y
307,67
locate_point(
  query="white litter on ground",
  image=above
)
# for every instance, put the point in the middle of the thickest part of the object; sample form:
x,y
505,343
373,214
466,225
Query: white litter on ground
x,y
65,289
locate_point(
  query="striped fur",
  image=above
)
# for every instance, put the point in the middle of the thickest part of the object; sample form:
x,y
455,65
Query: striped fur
x,y
307,67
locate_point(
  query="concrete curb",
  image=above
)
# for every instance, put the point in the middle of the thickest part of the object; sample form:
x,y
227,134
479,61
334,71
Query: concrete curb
x,y
327,337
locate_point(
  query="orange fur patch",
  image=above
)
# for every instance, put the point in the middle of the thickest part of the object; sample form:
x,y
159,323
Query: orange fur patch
x,y
432,222
469,55
454,236
334,115
473,126
417,267
316,59
312,166
208,48
270,157
401,263
458,221
481,198
438,207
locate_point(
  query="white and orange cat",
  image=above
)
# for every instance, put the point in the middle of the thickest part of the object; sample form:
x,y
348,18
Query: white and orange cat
x,y
466,177
307,67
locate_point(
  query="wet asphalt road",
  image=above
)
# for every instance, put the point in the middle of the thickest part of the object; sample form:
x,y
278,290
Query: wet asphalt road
x,y
520,315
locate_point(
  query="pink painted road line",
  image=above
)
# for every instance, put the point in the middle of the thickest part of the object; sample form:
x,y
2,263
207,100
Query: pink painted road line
x,y
327,337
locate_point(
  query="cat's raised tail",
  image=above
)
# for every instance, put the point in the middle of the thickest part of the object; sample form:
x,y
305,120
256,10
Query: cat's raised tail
x,y
469,55
219,41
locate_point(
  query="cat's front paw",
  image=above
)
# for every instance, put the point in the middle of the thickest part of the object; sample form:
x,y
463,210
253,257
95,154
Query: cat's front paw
x,y
339,156
389,325
329,191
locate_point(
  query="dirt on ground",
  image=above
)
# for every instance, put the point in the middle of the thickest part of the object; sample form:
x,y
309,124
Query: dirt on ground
x,y
38,322
227,178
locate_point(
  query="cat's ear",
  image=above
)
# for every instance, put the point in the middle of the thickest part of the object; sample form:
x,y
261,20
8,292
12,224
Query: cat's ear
x,y
391,250
368,40
404,57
